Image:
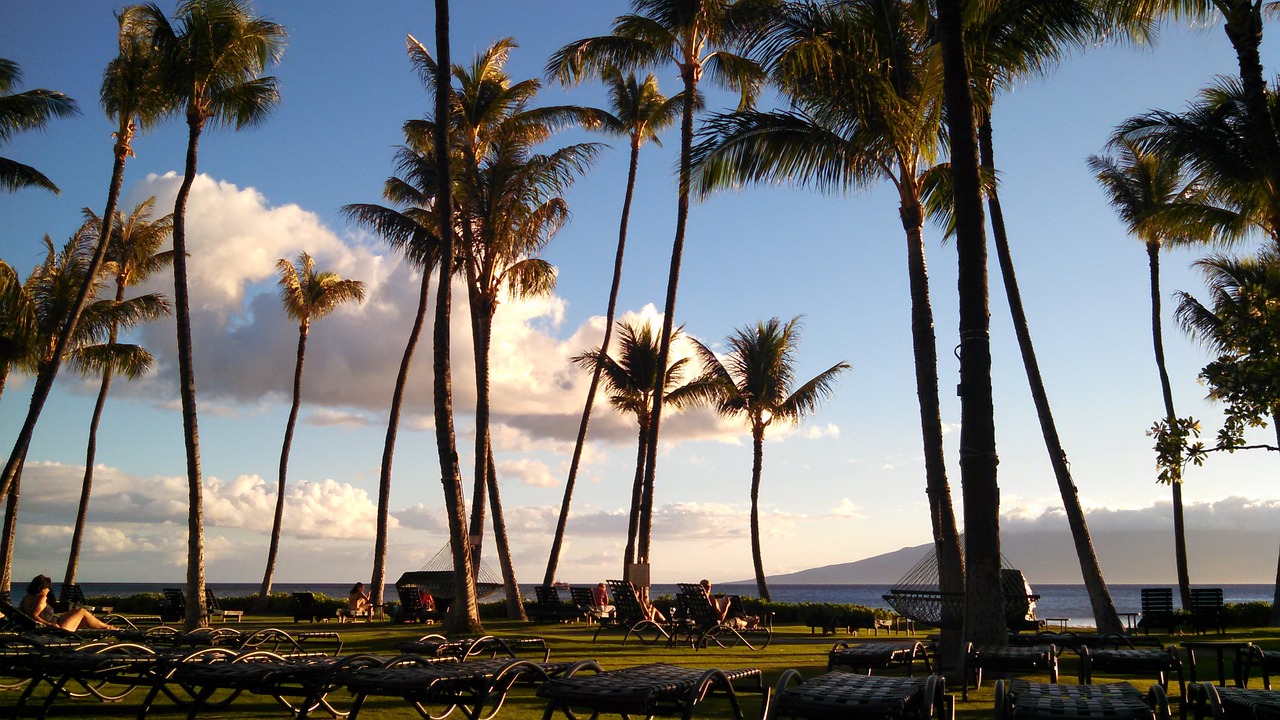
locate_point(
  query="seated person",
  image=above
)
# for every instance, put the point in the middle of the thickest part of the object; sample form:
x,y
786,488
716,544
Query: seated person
x,y
723,605
600,604
358,602
428,602
36,604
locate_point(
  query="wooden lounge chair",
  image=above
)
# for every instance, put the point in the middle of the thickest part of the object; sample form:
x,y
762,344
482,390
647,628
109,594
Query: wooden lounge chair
x,y
585,602
70,596
549,607
213,609
1032,659
173,608
306,607
705,626
1207,610
411,609
630,616
1113,701
840,695
646,690
1157,610
870,656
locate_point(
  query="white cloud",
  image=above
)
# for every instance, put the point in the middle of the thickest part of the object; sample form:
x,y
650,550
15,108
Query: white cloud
x,y
529,472
327,417
817,432
848,509
1231,513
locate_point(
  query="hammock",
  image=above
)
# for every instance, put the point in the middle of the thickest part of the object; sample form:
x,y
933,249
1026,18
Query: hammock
x,y
918,596
437,576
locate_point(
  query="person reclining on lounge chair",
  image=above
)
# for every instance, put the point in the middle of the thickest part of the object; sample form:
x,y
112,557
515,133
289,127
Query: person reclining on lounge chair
x,y
723,605
36,604
600,604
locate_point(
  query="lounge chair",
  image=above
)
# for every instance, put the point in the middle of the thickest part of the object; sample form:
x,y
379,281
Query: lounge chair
x,y
1206,610
1127,660
859,657
173,608
549,607
70,596
101,671
846,695
630,616
1252,656
466,648
1157,610
1113,701
705,626
585,602
1033,659
306,607
1225,702
411,609
646,690
213,608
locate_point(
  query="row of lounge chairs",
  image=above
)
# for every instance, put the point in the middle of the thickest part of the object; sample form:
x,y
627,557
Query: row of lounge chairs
x,y
1205,611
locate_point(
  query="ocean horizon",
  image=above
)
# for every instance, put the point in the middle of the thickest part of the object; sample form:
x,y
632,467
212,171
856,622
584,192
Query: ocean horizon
x,y
1068,602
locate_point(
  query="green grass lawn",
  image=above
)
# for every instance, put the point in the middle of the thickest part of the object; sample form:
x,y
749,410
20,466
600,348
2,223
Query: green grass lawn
x,y
793,646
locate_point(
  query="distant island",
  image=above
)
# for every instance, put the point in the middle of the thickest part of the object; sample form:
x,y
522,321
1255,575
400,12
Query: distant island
x,y
1215,556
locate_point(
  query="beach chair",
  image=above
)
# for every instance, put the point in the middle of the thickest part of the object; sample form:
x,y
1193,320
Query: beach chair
x,y
306,607
646,690
1252,656
865,657
69,596
629,616
1113,701
173,606
411,609
435,645
845,695
1157,610
549,607
1206,610
1123,658
584,601
213,609
1032,659
1222,702
705,626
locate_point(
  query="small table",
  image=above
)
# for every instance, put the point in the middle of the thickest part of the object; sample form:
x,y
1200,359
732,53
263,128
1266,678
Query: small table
x,y
1130,620
1219,648
1062,622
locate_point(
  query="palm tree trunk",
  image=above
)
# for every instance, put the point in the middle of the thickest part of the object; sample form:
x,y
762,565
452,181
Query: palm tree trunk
x,y
1104,610
4,375
1244,30
644,530
946,539
45,378
637,495
264,594
1166,389
984,620
86,487
9,532
187,386
481,327
515,603
757,462
553,559
389,446
689,74
1275,602
464,615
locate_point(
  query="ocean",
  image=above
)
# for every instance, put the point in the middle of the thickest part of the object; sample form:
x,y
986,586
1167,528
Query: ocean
x,y
1070,602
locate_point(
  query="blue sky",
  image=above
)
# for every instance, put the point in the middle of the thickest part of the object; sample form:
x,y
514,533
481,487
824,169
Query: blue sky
x,y
845,485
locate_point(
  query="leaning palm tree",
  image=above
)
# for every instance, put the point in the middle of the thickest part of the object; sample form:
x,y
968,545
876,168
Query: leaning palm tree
x,y
630,381
129,96
213,60
307,295
1007,41
756,380
1152,196
695,36
26,111
865,94
413,230
464,615
1241,323
53,289
133,255
639,112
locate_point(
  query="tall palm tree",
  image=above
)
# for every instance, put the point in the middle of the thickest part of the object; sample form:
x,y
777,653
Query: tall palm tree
x,y
695,36
756,380
129,96
1147,191
510,199
1006,42
1241,324
53,289
865,94
630,381
133,254
639,112
413,231
307,295
213,60
17,322
26,111
464,615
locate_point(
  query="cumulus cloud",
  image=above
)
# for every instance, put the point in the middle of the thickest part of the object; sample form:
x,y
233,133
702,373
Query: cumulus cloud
x,y
529,472
327,417
848,509
817,432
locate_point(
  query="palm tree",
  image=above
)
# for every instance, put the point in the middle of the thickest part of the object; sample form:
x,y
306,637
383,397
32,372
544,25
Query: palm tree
x,y
213,64
511,205
133,254
307,295
53,289
1010,40
864,89
639,113
694,36
464,615
1147,191
28,110
413,231
757,381
129,96
1241,324
631,380
17,322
